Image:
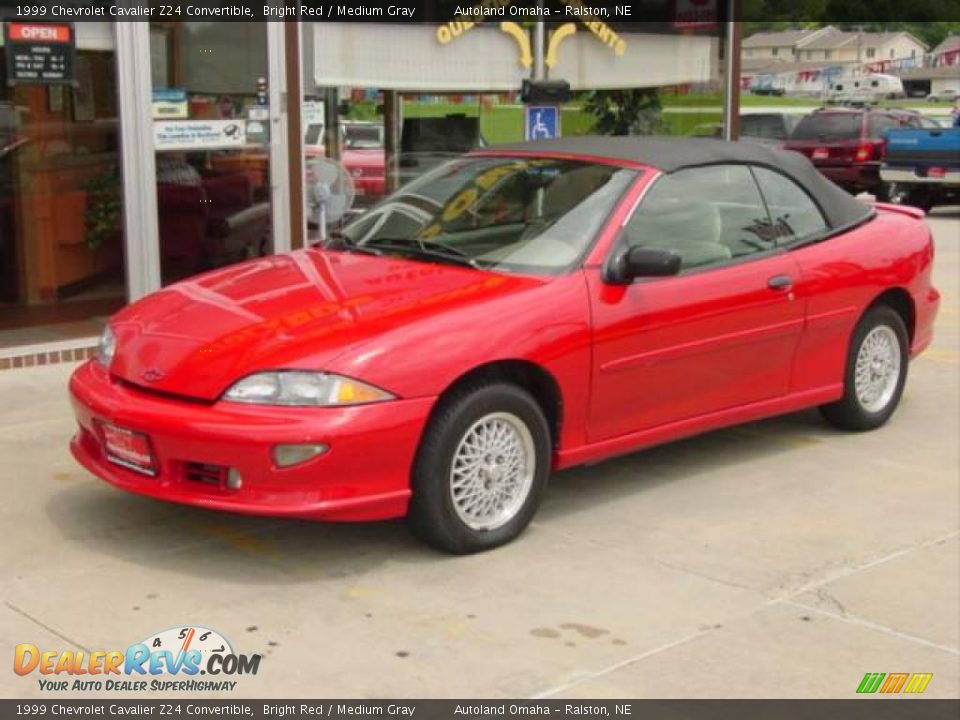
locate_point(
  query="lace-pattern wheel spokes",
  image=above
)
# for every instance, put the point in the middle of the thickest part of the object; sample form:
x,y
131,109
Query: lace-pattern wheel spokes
x,y
492,471
877,372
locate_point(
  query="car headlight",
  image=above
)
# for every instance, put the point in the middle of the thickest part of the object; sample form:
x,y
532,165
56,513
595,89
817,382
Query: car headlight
x,y
311,389
106,347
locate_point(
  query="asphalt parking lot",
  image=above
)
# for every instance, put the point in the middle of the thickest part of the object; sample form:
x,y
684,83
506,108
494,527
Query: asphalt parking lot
x,y
777,559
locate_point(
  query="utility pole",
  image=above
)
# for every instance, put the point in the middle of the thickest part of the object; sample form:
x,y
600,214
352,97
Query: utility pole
x,y
731,75
859,47
539,48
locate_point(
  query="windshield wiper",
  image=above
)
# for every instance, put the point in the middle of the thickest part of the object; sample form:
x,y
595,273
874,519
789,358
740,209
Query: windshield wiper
x,y
337,240
427,249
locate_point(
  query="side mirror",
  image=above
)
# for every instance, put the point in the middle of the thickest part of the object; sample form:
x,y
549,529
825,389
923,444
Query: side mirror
x,y
635,262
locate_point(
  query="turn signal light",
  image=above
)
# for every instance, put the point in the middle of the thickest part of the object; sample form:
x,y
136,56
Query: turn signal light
x,y
863,153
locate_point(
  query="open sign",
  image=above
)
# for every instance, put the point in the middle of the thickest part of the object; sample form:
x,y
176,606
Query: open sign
x,y
39,53
43,32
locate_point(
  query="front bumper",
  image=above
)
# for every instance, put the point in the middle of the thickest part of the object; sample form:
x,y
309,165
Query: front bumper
x,y
372,185
365,474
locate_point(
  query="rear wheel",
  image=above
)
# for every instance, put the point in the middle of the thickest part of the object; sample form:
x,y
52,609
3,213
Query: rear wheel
x,y
875,374
897,194
481,469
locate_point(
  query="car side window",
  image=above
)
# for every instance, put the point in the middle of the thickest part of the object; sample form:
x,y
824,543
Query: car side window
x,y
877,125
794,214
708,216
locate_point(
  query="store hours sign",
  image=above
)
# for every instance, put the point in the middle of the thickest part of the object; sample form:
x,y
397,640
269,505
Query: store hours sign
x,y
40,53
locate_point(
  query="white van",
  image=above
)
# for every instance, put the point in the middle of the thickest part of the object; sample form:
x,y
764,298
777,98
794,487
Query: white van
x,y
863,89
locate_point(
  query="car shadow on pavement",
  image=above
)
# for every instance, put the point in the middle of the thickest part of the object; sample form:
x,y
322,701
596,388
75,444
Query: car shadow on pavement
x,y
260,550
196,542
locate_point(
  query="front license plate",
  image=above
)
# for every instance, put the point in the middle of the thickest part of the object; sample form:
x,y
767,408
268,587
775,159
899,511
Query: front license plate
x,y
821,154
128,448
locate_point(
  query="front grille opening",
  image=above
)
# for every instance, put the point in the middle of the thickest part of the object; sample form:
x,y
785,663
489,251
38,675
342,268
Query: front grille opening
x,y
212,475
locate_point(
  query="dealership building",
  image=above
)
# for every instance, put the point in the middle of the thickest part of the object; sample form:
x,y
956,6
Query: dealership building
x,y
136,154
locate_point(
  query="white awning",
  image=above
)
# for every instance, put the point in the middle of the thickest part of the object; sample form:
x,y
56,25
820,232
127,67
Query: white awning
x,y
485,59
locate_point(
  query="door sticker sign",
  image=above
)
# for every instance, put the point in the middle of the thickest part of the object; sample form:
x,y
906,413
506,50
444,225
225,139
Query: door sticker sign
x,y
198,134
170,104
39,53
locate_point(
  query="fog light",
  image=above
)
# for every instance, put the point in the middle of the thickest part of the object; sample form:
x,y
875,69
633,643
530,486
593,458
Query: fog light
x,y
234,479
287,455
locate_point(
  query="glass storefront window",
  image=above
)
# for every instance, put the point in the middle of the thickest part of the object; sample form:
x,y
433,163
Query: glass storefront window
x,y
211,138
436,92
61,236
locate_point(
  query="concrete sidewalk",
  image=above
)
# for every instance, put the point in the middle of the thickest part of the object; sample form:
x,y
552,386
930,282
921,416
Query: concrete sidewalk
x,y
778,559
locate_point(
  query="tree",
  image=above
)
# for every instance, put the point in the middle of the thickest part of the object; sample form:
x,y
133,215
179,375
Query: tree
x,y
635,111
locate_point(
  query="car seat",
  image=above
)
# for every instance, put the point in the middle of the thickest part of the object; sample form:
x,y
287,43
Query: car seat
x,y
691,228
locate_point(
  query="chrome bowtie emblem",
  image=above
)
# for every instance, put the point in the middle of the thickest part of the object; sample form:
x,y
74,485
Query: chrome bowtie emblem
x,y
152,375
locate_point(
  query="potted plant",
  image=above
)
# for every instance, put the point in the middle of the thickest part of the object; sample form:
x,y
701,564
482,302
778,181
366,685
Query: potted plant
x,y
104,208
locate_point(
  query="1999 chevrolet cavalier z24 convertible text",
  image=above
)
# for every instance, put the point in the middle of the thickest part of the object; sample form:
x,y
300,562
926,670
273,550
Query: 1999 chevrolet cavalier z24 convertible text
x,y
518,310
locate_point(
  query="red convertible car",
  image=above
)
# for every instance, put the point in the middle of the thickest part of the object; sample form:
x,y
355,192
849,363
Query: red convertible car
x,y
516,311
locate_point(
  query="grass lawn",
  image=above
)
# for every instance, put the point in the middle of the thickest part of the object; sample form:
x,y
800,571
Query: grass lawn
x,y
500,123
747,100
681,113
504,123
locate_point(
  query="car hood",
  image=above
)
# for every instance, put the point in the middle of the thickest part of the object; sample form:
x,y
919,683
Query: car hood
x,y
297,310
364,155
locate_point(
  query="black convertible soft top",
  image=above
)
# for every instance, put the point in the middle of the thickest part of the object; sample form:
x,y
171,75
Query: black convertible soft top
x,y
671,154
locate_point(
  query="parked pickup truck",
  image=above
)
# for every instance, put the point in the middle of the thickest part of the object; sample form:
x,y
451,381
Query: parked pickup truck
x,y
922,166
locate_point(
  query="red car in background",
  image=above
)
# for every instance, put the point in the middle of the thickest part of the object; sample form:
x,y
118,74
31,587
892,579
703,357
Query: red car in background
x,y
516,311
847,144
362,155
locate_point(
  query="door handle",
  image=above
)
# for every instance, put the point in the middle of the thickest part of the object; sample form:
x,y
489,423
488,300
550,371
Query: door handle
x,y
780,282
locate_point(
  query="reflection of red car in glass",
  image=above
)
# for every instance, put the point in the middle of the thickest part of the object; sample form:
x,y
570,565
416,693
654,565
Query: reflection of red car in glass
x,y
362,154
512,312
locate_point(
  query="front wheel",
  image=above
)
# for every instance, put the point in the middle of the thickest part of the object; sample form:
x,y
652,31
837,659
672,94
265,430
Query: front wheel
x,y
481,469
875,374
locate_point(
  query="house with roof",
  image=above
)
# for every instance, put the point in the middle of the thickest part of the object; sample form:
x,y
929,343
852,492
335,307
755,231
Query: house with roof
x,y
777,46
840,46
832,45
940,72
946,53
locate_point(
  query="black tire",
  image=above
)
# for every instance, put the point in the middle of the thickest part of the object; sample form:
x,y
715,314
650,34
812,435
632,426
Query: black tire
x,y
432,514
924,201
850,413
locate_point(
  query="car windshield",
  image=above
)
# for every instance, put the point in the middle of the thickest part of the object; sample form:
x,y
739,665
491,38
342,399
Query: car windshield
x,y
840,126
770,127
314,134
360,137
536,215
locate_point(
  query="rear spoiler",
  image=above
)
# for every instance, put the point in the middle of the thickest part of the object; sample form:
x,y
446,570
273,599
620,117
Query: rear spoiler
x,y
915,213
908,210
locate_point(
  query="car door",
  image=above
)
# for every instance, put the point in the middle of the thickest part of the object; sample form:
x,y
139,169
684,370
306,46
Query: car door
x,y
720,334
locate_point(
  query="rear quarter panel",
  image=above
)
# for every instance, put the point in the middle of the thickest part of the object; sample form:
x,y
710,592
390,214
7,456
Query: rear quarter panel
x,y
841,277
